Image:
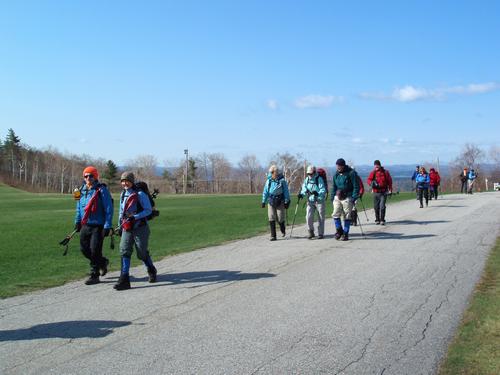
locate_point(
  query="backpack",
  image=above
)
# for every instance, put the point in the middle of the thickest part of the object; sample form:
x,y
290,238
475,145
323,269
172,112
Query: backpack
x,y
382,173
142,186
321,172
361,187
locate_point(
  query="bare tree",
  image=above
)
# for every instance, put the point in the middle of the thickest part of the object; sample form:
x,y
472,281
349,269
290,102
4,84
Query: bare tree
x,y
470,156
292,167
249,165
144,167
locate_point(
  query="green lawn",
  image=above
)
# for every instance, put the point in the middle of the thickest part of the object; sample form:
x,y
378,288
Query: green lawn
x,y
33,224
476,347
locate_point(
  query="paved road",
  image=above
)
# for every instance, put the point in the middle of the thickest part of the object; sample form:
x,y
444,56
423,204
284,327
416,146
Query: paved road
x,y
387,304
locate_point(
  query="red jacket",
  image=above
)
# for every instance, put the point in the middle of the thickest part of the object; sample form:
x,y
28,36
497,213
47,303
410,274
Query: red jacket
x,y
434,177
383,180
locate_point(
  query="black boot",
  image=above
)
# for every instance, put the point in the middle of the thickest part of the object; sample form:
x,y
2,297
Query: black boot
x,y
311,235
104,266
382,214
339,233
93,279
282,229
345,237
272,224
152,274
123,282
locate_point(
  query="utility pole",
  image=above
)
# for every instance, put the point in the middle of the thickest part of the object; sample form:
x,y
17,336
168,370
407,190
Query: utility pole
x,y
186,152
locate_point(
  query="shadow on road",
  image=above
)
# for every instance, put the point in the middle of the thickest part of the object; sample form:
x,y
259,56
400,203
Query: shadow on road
x,y
445,205
203,277
65,330
423,222
390,236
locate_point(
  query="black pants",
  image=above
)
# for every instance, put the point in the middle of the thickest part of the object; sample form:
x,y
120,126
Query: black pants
x,y
379,205
434,192
91,239
423,193
463,189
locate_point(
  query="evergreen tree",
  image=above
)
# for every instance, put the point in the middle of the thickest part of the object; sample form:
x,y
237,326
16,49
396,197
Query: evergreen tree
x,y
191,171
110,172
11,148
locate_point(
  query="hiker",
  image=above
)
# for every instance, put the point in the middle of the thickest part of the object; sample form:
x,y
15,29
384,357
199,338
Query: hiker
x,y
94,216
135,207
413,178
380,181
314,188
471,179
277,196
435,181
464,177
345,192
423,181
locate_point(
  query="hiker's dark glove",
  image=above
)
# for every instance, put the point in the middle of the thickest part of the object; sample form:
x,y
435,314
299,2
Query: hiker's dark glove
x,y
78,227
315,193
106,232
263,205
300,196
287,204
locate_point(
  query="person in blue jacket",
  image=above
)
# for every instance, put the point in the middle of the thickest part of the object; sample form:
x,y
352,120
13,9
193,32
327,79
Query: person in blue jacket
x,y
423,180
277,196
471,179
314,188
93,219
413,178
135,208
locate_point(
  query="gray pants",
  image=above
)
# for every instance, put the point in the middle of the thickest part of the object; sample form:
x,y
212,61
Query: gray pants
x,y
379,205
138,237
276,213
312,207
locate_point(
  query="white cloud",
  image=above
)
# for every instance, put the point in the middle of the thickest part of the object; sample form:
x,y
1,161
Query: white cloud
x,y
272,105
411,93
357,140
317,101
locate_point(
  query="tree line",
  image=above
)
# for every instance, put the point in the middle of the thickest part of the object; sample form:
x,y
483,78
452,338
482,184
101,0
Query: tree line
x,y
49,170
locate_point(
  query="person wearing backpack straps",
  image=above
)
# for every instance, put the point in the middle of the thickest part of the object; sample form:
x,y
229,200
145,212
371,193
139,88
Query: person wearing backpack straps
x,y
135,207
345,191
314,188
93,219
380,181
277,196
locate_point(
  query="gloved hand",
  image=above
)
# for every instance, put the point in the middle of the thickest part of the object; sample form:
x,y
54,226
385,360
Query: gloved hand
x,y
263,205
78,227
287,204
315,193
106,232
300,196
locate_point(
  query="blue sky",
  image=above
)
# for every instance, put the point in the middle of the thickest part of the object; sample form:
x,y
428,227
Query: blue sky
x,y
403,82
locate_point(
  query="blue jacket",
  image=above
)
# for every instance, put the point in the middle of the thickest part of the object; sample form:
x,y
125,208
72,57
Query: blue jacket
x,y
275,187
423,181
143,201
414,175
104,214
471,175
311,184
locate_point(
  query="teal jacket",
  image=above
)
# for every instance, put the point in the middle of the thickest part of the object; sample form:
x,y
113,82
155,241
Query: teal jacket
x,y
347,181
312,184
275,187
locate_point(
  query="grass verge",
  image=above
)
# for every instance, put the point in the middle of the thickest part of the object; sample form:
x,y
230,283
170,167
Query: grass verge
x,y
476,346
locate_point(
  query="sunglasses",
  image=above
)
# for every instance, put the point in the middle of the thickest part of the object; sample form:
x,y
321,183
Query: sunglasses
x,y
88,176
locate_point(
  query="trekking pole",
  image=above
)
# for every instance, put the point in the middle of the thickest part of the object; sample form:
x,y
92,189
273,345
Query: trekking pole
x,y
361,228
66,240
112,239
364,209
294,216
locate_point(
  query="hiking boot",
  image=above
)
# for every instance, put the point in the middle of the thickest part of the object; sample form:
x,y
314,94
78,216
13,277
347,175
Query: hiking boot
x,y
345,237
339,233
152,274
421,206
377,222
311,235
282,229
104,268
320,237
382,222
272,225
123,283
93,279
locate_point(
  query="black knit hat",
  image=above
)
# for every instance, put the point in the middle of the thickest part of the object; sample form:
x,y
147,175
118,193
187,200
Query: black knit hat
x,y
377,162
340,162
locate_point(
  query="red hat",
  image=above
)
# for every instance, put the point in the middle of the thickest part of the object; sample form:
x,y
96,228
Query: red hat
x,y
91,170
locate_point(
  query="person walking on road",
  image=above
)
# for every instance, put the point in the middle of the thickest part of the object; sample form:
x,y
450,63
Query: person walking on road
x,y
314,188
93,219
277,196
435,181
135,207
380,181
413,178
464,176
345,192
423,182
471,179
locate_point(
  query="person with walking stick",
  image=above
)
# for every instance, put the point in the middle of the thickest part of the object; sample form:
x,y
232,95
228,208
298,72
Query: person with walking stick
x,y
314,188
381,182
277,196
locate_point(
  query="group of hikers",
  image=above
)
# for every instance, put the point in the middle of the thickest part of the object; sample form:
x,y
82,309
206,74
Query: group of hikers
x,y
347,187
94,217
467,178
426,184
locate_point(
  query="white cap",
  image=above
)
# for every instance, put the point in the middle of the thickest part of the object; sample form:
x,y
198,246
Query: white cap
x,y
311,169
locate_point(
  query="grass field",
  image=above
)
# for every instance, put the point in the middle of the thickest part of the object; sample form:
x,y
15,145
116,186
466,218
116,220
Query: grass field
x,y
33,224
476,347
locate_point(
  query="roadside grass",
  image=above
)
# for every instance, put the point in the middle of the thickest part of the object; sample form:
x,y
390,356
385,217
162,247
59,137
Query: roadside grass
x,y
33,224
476,346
